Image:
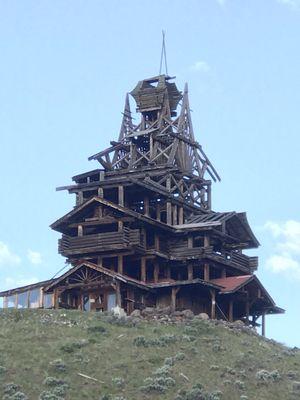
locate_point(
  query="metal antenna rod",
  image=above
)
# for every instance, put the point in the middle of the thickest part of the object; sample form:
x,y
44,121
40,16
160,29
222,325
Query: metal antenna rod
x,y
163,54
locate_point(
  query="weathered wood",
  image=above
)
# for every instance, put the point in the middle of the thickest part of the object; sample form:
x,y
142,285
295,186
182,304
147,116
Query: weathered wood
x,y
143,269
213,303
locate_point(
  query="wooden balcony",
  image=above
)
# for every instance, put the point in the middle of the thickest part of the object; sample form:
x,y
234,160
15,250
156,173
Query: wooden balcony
x,y
100,243
233,259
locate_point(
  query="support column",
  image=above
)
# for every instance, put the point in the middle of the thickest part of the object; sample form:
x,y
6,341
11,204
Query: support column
x,y
120,226
206,241
230,311
213,304
206,272
180,216
100,192
118,294
190,272
100,261
156,241
143,269
175,215
263,324
146,206
55,298
190,242
169,213
247,307
80,230
158,212
156,272
120,264
121,195
173,298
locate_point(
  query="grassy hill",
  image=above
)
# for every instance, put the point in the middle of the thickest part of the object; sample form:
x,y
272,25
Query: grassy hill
x,y
73,355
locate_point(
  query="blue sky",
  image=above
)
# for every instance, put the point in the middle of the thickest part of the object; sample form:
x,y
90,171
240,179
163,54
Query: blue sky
x,y
65,68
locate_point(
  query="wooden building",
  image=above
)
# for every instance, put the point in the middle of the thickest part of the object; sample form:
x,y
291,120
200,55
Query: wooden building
x,y
142,232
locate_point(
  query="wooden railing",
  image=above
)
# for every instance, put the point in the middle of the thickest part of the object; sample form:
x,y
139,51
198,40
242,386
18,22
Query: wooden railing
x,y
99,242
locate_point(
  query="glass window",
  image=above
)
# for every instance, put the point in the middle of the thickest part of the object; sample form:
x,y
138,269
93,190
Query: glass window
x,y
11,301
111,301
34,298
86,303
23,300
48,300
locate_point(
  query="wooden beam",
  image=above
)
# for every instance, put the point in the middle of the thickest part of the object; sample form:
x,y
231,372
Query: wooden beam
x,y
120,264
121,195
180,216
263,324
158,218
247,310
230,311
146,206
55,298
169,213
156,241
206,272
156,272
190,272
143,269
206,241
80,230
213,304
100,192
190,242
173,297
223,273
175,215
118,294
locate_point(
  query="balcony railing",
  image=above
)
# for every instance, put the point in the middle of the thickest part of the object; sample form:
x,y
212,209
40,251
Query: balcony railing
x,y
100,242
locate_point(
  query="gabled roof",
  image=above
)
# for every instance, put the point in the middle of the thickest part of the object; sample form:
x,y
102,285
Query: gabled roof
x,y
232,283
22,289
95,267
236,225
63,221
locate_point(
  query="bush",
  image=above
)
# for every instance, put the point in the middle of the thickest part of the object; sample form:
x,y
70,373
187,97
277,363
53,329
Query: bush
x,y
10,388
2,370
16,396
96,329
118,382
264,376
49,396
51,381
58,365
179,356
71,347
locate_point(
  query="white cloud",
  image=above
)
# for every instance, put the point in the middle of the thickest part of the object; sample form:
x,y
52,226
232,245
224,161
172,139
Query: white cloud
x,y
7,257
34,257
295,4
286,259
10,283
201,66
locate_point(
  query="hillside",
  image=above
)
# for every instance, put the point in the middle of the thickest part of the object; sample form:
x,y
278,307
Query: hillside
x,y
73,355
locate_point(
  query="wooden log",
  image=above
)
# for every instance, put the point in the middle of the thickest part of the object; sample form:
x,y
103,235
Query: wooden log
x,y
146,206
169,213
143,269
213,304
118,294
173,297
190,272
190,242
120,264
206,272
80,230
230,311
121,195
100,192
180,216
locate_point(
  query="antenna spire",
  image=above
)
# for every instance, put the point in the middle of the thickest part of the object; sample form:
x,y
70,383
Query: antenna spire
x,y
163,56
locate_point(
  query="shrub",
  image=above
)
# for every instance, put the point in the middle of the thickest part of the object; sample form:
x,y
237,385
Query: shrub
x,y
264,376
96,329
179,356
16,396
169,361
240,385
51,381
10,388
2,370
49,396
118,382
71,347
162,371
58,365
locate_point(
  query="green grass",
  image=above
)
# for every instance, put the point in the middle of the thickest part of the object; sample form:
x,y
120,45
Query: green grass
x,y
43,351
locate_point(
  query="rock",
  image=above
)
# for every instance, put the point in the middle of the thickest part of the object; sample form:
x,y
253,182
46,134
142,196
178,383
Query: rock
x,y
238,323
118,312
203,316
148,311
136,314
177,313
188,314
164,310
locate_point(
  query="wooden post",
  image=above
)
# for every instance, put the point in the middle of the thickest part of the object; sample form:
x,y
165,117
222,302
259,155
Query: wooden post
x,y
173,297
146,206
5,302
206,241
180,216
120,264
263,324
158,212
100,261
190,242
143,269
16,300
247,312
118,294
190,272
175,215
100,192
121,195
169,213
206,272
156,241
168,270
120,225
213,304
230,311
80,230
55,298
156,272
223,273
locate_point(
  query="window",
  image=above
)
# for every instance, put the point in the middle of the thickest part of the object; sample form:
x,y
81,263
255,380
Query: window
x,y
34,298
86,302
23,300
48,300
11,301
